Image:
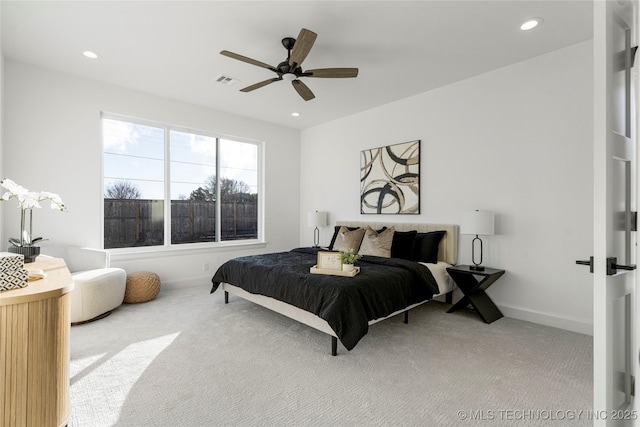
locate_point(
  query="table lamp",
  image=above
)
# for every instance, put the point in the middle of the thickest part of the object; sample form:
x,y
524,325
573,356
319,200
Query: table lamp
x,y
480,223
316,219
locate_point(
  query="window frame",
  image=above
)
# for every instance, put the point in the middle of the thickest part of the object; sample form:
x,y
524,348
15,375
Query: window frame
x,y
167,246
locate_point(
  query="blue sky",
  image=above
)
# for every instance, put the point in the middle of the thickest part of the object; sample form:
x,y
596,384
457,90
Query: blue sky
x,y
136,153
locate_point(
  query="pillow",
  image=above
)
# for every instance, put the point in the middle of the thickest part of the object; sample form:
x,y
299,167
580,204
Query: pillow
x,y
337,229
335,234
425,247
348,239
377,244
402,246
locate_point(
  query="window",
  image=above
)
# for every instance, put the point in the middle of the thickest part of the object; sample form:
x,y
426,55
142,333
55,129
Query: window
x,y
169,186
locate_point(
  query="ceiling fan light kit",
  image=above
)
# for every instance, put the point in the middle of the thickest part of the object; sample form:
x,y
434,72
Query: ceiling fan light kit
x,y
289,77
290,69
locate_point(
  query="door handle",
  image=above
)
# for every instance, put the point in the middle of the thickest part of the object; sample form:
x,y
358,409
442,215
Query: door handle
x,y
612,267
589,263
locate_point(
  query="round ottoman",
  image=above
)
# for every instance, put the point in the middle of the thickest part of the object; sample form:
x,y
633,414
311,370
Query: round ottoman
x,y
142,286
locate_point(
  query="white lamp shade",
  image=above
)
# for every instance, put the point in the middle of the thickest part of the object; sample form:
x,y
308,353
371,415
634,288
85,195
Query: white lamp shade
x,y
317,219
477,222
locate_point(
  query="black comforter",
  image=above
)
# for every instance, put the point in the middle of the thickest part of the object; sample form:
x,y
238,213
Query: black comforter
x,y
383,286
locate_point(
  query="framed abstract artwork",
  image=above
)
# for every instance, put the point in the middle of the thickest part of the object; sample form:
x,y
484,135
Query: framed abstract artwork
x,y
390,179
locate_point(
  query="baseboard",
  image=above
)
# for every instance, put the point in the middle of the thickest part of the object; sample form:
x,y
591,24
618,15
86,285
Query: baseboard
x,y
189,282
568,323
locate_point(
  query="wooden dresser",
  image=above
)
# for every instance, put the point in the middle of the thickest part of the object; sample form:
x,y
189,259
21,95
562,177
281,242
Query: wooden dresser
x,y
34,349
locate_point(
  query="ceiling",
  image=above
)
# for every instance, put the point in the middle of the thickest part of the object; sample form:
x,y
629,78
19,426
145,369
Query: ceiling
x,y
171,49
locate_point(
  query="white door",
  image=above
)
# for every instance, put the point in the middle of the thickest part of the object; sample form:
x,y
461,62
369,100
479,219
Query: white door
x,y
615,344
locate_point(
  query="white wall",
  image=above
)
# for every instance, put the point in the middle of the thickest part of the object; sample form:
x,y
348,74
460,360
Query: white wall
x,y
53,143
2,238
516,141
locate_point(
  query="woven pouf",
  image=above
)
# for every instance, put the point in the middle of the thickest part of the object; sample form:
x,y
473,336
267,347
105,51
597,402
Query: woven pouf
x,y
142,286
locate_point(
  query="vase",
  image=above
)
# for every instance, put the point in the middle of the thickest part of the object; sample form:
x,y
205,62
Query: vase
x,y
30,252
347,267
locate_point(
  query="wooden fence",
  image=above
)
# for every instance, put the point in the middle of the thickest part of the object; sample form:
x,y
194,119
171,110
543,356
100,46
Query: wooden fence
x,y
139,222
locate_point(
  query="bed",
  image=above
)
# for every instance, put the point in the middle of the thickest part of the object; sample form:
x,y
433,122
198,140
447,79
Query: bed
x,y
343,307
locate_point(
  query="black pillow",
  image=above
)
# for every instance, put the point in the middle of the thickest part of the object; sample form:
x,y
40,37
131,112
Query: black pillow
x,y
402,245
425,247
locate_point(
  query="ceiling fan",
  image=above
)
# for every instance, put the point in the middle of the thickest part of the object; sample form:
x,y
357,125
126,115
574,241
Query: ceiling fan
x,y
290,69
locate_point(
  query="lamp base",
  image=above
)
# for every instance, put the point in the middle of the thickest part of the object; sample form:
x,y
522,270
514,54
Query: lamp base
x,y
476,265
316,238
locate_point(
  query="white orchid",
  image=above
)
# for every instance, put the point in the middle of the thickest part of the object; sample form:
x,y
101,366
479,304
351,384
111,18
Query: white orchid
x,y
15,190
28,200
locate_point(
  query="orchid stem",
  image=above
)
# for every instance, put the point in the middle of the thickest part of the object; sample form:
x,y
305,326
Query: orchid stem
x,y
30,225
22,226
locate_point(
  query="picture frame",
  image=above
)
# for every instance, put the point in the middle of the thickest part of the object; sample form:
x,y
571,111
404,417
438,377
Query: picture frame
x,y
329,261
390,179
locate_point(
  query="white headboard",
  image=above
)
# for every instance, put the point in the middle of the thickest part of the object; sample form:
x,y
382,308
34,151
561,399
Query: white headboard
x,y
448,250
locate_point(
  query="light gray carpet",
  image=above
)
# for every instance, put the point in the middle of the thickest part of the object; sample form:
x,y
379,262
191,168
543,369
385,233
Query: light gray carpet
x,y
187,359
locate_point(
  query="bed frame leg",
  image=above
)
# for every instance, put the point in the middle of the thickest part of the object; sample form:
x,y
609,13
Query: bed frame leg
x,y
226,297
406,317
334,346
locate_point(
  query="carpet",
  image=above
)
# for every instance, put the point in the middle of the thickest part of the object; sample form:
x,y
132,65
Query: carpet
x,y
187,359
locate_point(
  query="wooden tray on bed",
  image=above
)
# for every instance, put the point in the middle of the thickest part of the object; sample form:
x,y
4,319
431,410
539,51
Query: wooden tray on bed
x,y
316,270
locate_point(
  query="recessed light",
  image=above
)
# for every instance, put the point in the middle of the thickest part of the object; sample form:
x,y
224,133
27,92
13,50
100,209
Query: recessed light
x,y
295,114
530,24
91,55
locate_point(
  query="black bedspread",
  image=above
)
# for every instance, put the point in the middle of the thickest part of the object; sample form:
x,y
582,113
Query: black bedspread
x,y
383,286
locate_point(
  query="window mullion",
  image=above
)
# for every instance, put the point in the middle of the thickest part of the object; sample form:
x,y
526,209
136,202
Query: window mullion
x,y
167,186
218,201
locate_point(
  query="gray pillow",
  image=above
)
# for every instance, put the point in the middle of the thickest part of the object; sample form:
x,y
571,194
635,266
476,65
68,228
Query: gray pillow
x,y
377,244
348,239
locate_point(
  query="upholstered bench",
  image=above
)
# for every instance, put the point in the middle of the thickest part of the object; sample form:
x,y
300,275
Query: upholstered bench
x,y
98,288
142,286
96,293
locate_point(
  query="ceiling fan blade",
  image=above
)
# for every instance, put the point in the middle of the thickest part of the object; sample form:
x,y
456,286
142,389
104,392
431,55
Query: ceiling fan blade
x,y
302,46
247,60
259,85
303,90
332,72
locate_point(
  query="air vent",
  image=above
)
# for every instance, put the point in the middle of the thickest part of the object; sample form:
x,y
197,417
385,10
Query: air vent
x,y
226,80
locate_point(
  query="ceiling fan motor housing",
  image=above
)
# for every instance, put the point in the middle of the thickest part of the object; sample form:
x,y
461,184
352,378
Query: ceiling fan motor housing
x,y
285,68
